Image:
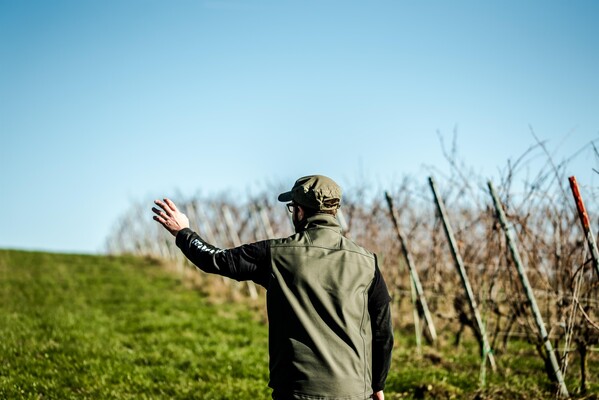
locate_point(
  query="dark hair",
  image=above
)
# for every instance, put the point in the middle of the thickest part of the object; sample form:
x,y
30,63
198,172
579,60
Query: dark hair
x,y
309,212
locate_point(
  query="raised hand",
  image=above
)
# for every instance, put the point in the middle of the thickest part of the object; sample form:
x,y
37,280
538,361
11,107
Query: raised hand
x,y
169,216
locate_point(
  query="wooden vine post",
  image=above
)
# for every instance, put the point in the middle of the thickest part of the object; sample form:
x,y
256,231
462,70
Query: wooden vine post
x,y
563,390
413,273
237,242
270,233
459,263
584,220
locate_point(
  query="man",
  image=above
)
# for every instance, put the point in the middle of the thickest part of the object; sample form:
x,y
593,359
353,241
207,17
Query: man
x,y
330,334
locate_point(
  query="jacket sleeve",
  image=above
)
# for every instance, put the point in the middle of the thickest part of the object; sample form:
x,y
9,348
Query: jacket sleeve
x,y
382,330
247,262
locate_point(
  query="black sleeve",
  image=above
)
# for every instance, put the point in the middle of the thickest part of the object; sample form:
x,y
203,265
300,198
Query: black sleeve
x,y
247,262
378,294
382,330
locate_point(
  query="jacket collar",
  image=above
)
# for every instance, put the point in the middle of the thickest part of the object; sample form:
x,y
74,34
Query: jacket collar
x,y
320,221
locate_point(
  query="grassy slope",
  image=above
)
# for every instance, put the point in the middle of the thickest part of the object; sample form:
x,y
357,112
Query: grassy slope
x,y
118,328
94,327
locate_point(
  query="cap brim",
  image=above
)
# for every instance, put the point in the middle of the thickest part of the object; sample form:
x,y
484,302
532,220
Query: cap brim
x,y
286,197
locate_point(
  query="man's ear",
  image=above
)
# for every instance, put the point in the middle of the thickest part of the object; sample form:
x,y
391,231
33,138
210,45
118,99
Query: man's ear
x,y
300,212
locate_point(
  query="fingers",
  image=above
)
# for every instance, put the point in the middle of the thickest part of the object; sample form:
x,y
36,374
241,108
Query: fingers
x,y
158,211
163,219
166,206
168,216
170,204
160,220
160,217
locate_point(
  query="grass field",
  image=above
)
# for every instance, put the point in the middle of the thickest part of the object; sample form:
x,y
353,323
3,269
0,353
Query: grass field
x,y
93,327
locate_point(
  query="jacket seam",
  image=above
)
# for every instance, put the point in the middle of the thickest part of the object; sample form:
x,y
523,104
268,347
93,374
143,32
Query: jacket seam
x,y
323,247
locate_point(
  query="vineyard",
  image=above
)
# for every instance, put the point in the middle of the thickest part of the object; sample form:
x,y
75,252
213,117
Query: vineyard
x,y
461,257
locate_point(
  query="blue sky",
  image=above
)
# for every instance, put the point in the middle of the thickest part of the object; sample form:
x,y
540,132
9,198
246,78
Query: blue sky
x,y
103,103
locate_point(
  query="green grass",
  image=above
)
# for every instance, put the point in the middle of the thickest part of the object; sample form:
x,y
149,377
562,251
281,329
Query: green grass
x,y
93,327
75,327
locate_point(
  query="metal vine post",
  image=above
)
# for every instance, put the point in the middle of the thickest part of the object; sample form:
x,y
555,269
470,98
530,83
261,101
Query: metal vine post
x,y
459,263
413,273
563,390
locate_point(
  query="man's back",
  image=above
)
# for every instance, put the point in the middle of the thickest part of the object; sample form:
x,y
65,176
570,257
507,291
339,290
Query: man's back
x,y
320,332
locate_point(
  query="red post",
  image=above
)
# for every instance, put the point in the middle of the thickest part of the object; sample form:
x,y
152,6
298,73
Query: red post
x,y
584,220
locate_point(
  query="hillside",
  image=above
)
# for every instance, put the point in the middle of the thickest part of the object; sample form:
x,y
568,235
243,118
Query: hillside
x,y
74,326
95,327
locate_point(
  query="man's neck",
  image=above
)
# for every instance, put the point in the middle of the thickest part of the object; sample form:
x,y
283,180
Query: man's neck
x,y
318,220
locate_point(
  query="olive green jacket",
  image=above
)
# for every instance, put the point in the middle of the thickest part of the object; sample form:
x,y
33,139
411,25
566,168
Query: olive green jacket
x,y
328,308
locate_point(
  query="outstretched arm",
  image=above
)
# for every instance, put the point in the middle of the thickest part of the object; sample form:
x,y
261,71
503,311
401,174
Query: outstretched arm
x,y
169,216
247,262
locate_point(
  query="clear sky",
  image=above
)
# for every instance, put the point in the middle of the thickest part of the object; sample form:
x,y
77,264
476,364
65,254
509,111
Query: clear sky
x,y
103,103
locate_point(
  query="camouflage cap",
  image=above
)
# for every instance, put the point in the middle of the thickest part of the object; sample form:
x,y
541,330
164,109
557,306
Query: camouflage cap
x,y
314,191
